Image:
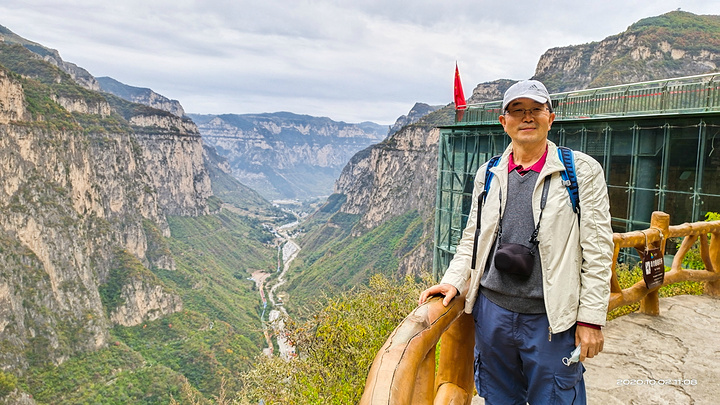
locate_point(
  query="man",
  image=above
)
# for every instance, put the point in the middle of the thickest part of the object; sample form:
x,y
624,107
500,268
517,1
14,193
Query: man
x,y
530,315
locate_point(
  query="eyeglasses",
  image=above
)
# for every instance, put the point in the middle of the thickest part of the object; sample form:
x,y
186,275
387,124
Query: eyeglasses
x,y
520,112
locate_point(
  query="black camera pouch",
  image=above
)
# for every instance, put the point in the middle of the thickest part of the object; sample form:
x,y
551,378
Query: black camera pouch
x,y
513,258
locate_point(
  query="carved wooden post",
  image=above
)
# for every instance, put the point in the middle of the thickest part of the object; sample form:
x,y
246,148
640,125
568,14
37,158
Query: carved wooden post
x,y
455,378
651,303
425,382
408,356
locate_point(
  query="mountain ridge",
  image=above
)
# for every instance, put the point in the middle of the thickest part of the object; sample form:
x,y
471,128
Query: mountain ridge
x,y
283,154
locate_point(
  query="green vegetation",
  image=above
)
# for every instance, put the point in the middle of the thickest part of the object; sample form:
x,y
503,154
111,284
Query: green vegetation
x,y
114,375
242,199
337,347
332,261
641,53
8,383
213,339
44,83
215,255
201,349
25,63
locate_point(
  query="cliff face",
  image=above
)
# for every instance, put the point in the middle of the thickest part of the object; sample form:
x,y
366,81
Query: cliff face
x,y
13,100
671,45
405,164
284,155
390,179
84,181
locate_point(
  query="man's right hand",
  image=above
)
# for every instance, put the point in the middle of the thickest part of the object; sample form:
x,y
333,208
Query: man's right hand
x,y
448,290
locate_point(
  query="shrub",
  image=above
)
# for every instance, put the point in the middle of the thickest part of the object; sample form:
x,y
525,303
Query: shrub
x,y
8,383
336,347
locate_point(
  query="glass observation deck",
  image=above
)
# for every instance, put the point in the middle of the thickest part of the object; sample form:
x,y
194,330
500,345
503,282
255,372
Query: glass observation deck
x,y
683,95
658,142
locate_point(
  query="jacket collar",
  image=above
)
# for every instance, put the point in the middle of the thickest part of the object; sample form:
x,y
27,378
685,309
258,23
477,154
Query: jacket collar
x,y
553,163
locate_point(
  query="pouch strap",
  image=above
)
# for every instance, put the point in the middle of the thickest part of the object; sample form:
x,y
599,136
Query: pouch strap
x,y
543,202
481,199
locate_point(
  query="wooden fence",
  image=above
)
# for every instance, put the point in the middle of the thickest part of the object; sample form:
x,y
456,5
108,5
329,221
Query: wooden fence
x,y
405,370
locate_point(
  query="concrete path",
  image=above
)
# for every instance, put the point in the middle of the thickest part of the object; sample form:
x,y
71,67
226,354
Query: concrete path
x,y
673,358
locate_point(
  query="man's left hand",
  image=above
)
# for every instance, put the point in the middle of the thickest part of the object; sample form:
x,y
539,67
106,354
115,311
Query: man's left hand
x,y
590,340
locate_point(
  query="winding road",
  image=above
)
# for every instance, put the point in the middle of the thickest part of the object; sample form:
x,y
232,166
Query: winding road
x,y
275,318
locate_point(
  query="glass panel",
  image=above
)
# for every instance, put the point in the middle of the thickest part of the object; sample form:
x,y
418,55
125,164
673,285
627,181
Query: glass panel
x,y
573,138
446,179
618,202
679,206
648,167
711,168
443,229
621,141
595,143
499,143
708,203
555,134
619,226
683,151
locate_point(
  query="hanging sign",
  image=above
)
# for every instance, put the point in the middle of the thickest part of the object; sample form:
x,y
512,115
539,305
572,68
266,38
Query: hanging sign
x,y
653,267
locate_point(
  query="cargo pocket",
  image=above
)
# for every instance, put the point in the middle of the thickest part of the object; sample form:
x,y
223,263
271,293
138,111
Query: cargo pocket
x,y
566,390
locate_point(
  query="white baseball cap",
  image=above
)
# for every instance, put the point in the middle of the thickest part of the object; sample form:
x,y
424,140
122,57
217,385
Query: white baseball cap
x,y
531,89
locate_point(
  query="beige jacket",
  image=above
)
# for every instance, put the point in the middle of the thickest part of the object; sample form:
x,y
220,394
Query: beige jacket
x,y
576,257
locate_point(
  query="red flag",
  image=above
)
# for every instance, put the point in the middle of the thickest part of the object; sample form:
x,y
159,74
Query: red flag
x,y
459,95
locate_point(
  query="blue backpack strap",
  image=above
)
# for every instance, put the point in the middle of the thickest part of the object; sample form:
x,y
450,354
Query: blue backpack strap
x,y
481,199
488,174
569,176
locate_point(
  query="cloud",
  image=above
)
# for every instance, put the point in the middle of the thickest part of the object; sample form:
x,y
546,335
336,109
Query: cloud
x,y
348,60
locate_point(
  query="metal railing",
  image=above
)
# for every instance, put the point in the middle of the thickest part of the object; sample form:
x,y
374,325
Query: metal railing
x,y
681,95
404,370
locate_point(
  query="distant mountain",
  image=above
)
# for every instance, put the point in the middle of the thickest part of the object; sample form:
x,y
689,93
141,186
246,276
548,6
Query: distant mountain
x,y
140,95
285,155
418,111
670,45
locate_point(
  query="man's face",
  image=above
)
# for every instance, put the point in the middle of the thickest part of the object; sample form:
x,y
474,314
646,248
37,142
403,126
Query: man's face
x,y
527,121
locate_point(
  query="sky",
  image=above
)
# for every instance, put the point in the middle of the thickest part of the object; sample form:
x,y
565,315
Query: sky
x,y
352,61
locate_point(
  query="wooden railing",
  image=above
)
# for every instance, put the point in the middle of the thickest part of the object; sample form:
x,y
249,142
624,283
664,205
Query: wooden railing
x,y
404,370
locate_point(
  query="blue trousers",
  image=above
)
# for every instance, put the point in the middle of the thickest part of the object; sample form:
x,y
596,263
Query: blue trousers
x,y
516,363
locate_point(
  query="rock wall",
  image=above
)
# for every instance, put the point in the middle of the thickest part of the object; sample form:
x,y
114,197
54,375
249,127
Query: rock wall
x,y
12,99
390,179
71,200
